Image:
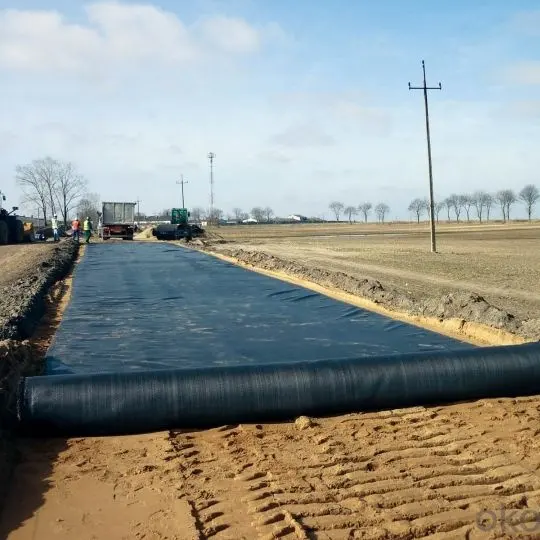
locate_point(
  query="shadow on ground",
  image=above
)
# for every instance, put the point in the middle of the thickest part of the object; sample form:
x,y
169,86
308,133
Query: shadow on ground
x,y
29,482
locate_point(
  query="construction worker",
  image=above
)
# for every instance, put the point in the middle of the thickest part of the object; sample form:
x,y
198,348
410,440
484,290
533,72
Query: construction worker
x,y
54,225
87,227
76,228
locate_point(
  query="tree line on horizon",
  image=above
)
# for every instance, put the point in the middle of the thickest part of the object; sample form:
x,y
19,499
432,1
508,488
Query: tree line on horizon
x,y
56,187
480,202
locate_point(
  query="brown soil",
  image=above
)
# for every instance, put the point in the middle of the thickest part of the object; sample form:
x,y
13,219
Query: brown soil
x,y
411,473
18,260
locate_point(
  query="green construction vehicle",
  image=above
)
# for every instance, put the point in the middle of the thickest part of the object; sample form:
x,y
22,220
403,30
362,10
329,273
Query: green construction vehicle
x,y
178,228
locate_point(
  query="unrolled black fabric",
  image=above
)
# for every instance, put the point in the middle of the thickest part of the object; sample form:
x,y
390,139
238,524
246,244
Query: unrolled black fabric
x,y
119,403
159,337
156,306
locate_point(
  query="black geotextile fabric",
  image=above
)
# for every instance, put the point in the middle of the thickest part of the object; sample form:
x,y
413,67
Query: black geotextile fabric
x,y
154,306
117,403
158,337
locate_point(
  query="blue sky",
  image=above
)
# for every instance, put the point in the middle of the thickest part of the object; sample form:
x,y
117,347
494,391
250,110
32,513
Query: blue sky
x,y
302,102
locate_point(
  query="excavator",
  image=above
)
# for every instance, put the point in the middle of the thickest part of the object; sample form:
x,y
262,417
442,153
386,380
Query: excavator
x,y
178,228
12,229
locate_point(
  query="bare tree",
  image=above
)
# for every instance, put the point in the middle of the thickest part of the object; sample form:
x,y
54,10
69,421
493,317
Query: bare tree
x,y
418,206
89,206
197,214
448,204
268,213
257,213
350,211
455,202
35,184
466,203
215,216
238,213
70,188
529,195
480,201
51,185
505,198
381,210
489,201
365,208
438,207
337,208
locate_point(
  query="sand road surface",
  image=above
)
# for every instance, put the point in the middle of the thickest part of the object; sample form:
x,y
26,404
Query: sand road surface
x,y
443,472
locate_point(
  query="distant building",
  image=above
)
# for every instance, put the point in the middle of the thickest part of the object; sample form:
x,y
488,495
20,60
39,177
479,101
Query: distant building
x,y
297,217
250,220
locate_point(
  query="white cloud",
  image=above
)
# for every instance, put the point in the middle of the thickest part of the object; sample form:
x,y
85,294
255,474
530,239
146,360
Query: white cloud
x,y
231,35
120,35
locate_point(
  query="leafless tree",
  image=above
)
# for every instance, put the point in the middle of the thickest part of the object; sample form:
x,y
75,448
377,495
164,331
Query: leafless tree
x,y
51,185
438,207
350,211
448,204
455,202
381,210
89,206
480,201
215,216
467,203
337,208
70,187
268,213
258,213
418,206
489,201
197,214
506,198
238,214
529,195
364,209
34,182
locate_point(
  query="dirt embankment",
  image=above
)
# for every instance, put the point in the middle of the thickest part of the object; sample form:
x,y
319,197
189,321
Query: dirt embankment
x,y
463,312
23,302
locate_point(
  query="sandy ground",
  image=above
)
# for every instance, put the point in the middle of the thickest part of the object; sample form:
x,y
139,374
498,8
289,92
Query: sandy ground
x,y
438,473
412,473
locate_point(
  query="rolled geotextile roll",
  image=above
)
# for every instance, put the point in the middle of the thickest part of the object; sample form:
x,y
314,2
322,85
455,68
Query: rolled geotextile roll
x,y
146,401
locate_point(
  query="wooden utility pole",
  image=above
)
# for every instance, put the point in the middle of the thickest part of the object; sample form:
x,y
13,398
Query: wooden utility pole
x,y
181,183
425,88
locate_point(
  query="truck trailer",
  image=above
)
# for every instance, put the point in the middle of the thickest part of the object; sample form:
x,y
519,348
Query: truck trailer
x,y
118,220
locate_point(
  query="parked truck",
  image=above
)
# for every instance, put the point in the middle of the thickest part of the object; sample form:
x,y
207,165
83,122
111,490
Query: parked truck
x,y
118,220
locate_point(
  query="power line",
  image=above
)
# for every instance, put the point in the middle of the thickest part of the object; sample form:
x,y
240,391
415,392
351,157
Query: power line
x,y
181,183
425,88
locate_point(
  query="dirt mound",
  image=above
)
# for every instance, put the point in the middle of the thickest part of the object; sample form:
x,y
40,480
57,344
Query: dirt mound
x,y
146,234
470,307
467,307
22,301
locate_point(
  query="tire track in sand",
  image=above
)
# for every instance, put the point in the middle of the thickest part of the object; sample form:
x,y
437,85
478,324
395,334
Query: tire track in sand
x,y
413,473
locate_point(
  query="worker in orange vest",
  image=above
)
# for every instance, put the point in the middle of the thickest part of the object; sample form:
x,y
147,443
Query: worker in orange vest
x,y
76,227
